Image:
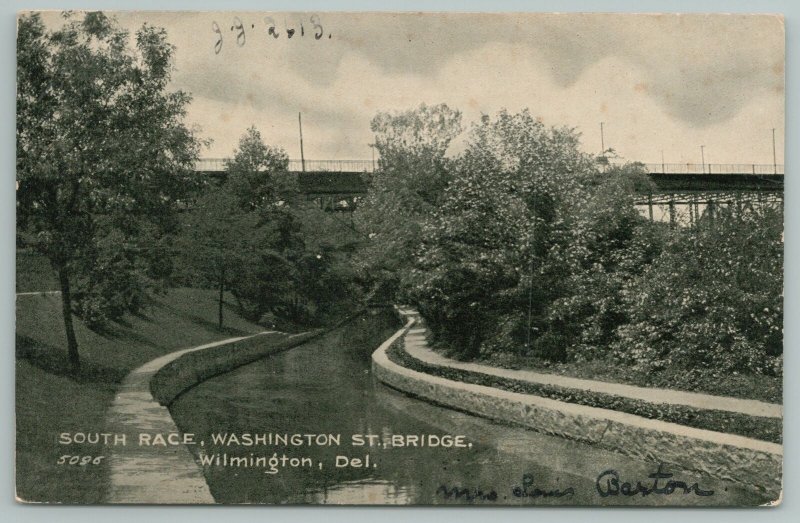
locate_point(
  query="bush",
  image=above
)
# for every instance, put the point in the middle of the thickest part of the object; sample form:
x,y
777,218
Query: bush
x,y
484,253
532,250
713,300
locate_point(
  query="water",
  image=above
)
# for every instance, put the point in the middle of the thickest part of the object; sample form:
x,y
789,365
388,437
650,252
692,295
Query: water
x,y
325,387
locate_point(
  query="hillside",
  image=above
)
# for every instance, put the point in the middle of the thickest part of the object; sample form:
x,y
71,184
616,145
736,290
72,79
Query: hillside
x,y
50,402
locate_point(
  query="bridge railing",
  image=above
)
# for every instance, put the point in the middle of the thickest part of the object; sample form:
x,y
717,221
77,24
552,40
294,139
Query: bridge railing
x,y
218,165
715,168
357,166
210,164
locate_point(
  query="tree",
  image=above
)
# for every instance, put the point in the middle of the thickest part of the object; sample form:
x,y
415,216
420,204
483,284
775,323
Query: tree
x,y
103,156
408,186
241,236
220,240
711,302
607,245
486,269
255,171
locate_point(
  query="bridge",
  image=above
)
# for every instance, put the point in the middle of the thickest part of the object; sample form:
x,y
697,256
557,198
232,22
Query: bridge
x,y
338,166
694,190
337,185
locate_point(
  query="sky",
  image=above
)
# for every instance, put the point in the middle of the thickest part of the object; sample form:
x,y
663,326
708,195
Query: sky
x,y
658,83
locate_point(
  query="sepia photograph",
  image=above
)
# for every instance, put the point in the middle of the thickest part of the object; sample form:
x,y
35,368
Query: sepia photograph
x,y
394,258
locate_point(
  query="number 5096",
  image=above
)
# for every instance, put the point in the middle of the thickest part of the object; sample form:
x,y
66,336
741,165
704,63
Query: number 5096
x,y
81,461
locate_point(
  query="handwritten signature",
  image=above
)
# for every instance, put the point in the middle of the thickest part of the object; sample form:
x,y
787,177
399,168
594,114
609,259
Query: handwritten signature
x,y
607,484
526,490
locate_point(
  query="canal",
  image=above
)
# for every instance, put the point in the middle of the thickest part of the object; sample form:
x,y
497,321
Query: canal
x,y
325,387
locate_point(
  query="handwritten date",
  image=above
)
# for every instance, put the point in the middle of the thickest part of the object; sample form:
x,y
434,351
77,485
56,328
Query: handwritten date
x,y
271,29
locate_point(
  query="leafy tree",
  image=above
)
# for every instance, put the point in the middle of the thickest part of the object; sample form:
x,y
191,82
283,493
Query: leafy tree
x,y
408,186
607,244
712,302
484,273
236,235
256,236
255,172
220,240
103,157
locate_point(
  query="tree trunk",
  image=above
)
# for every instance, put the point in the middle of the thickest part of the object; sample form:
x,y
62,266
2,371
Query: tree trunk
x,y
66,307
221,292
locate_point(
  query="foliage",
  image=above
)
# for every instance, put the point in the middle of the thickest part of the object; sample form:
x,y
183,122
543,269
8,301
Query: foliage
x,y
222,242
712,302
407,186
253,235
233,235
484,272
531,250
103,158
254,171
606,245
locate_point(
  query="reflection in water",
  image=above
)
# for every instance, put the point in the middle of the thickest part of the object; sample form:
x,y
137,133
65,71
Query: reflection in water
x,y
364,492
326,387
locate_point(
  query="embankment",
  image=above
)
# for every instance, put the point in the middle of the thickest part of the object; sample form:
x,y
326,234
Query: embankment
x,y
754,463
182,374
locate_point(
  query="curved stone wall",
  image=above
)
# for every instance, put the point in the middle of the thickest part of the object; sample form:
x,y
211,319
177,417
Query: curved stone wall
x,y
195,367
754,463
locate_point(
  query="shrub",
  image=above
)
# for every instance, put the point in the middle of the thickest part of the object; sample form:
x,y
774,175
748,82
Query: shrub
x,y
713,300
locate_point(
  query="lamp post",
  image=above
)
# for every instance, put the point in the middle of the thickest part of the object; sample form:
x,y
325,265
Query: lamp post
x,y
774,156
372,146
602,141
703,157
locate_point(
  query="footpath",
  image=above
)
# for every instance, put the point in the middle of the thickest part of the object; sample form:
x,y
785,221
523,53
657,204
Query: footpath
x,y
148,474
754,463
417,347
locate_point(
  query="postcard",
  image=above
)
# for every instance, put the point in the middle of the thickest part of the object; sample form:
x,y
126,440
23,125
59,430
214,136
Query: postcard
x,y
399,258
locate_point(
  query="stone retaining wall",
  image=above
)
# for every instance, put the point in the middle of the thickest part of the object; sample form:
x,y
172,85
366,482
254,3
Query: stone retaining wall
x,y
196,367
190,369
753,463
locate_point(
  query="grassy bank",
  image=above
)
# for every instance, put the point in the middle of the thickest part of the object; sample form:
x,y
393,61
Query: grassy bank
x,y
34,273
767,429
746,386
49,401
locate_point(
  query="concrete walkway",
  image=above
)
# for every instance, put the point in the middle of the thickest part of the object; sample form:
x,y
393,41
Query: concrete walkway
x,y
152,474
417,346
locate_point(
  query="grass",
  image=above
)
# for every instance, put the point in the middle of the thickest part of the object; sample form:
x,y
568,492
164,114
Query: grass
x,y
49,401
34,272
767,429
746,386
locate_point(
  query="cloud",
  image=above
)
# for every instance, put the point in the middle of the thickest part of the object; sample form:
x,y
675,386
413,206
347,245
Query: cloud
x,y
668,82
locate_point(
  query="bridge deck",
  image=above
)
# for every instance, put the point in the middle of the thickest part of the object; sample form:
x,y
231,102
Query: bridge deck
x,y
338,184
